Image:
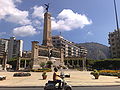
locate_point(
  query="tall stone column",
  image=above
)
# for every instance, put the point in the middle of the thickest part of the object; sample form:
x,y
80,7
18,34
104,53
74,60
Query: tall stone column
x,y
73,63
78,65
62,56
66,62
25,64
18,63
4,61
84,64
47,38
34,55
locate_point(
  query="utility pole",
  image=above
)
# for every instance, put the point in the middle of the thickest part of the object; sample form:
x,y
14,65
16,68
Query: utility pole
x,y
116,15
117,23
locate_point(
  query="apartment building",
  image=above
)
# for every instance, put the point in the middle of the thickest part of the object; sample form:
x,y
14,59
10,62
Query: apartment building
x,y
70,49
15,48
3,46
12,46
26,54
114,41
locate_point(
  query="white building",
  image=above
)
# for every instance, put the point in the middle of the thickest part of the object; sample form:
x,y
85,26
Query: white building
x,y
15,48
3,46
70,48
12,46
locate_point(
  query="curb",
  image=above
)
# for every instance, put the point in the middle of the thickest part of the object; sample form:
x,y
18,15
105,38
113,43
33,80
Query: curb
x,y
98,86
72,86
21,86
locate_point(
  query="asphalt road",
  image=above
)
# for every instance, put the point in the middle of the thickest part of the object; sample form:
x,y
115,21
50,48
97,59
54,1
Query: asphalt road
x,y
74,88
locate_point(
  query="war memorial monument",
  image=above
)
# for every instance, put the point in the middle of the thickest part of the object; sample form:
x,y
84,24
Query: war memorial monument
x,y
46,51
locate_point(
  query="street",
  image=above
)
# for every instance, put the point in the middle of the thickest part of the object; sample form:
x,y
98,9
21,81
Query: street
x,y
74,88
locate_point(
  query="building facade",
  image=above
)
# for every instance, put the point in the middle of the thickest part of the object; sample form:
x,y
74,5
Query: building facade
x,y
12,46
114,41
3,46
15,48
3,50
70,49
26,54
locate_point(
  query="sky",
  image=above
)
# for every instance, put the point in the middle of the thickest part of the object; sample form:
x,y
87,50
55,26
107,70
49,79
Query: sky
x,y
78,21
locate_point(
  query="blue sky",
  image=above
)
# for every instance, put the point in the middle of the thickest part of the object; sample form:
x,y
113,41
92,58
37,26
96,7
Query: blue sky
x,y
79,21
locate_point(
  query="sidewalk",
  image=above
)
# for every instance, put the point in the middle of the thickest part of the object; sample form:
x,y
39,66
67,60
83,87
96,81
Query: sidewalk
x,y
78,78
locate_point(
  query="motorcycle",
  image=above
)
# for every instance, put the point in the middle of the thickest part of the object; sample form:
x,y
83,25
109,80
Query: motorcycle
x,y
52,85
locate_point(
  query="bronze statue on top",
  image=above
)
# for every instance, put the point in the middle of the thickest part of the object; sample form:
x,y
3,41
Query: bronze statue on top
x,y
47,7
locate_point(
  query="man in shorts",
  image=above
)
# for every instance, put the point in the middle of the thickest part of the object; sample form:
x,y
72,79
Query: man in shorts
x,y
56,76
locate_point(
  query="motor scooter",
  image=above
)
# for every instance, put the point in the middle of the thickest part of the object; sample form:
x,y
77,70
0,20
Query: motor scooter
x,y
51,85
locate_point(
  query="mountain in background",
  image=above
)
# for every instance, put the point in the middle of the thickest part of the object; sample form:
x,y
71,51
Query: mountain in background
x,y
96,51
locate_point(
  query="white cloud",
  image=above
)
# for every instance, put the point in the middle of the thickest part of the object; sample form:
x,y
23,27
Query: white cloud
x,y
89,33
2,33
37,24
68,20
24,31
38,12
9,12
19,1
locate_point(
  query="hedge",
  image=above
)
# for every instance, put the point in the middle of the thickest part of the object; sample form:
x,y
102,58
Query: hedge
x,y
42,70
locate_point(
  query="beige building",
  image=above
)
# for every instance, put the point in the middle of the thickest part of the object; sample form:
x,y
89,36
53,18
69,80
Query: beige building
x,y
114,41
26,54
70,48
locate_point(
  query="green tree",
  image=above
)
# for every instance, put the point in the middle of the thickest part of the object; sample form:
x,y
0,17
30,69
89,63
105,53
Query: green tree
x,y
42,64
49,63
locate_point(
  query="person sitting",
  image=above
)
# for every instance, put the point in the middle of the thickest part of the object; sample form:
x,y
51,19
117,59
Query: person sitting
x,y
56,76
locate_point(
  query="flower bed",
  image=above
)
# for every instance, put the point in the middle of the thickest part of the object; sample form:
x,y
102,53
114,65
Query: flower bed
x,y
67,75
42,70
2,78
95,73
21,74
109,72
